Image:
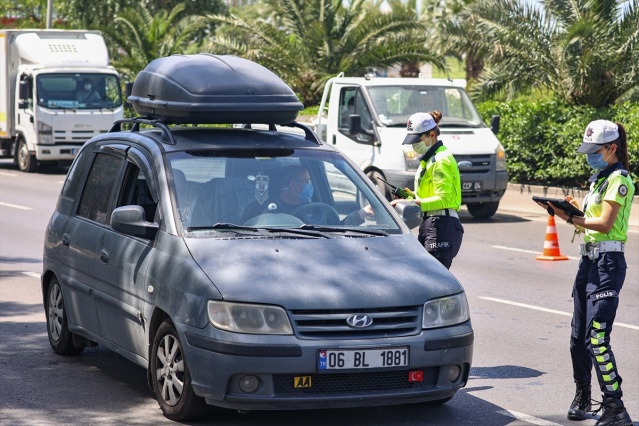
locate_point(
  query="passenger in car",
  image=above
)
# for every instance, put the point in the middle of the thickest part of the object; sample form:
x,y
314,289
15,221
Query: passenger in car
x,y
297,191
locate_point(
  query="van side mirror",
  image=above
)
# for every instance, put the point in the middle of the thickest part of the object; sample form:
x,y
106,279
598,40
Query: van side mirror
x,y
130,220
355,128
23,94
494,123
410,213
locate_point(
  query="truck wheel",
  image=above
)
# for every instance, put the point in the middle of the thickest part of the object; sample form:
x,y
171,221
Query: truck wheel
x,y
60,338
384,189
483,210
171,377
26,161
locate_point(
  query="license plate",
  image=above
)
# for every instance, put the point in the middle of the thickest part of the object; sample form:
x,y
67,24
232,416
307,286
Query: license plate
x,y
471,186
349,359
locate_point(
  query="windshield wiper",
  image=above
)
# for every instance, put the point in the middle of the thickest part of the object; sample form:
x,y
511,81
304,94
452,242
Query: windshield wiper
x,y
378,233
234,227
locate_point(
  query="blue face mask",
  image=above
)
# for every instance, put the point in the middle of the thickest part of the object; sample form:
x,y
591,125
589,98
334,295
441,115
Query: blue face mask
x,y
597,162
307,192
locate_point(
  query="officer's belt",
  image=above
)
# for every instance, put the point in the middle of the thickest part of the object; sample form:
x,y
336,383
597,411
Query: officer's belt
x,y
592,250
444,212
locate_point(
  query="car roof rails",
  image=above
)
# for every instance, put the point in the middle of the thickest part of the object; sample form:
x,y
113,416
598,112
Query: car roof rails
x,y
167,135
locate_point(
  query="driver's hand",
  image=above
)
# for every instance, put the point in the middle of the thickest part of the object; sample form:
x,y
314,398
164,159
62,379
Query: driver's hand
x,y
369,211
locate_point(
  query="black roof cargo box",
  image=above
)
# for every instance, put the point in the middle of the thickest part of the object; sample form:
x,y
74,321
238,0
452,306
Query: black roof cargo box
x,y
212,89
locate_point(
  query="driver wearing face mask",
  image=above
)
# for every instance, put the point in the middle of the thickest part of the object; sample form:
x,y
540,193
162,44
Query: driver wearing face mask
x,y
438,188
297,191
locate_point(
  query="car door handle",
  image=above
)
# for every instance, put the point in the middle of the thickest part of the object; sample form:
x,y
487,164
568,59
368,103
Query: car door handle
x,y
66,240
104,256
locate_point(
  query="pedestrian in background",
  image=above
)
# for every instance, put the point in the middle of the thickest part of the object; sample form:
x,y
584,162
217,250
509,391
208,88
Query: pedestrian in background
x,y
437,188
602,270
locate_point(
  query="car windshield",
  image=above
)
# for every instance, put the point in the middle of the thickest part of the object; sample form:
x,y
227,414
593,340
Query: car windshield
x,y
394,104
242,191
78,91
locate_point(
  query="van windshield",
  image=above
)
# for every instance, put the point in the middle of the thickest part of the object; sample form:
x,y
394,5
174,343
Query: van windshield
x,y
225,189
394,104
78,91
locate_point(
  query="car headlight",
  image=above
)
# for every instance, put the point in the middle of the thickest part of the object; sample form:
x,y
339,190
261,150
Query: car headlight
x,y
500,158
446,311
251,319
45,136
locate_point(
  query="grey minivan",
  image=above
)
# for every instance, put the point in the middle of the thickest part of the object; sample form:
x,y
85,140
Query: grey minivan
x,y
170,246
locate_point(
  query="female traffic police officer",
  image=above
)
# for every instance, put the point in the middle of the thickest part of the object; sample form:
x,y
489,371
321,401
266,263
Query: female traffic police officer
x,y
602,270
438,188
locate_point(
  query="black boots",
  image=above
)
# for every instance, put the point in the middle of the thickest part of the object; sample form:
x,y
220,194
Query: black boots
x,y
581,404
614,413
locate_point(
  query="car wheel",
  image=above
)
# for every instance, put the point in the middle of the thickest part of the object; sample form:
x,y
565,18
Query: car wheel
x,y
26,161
171,377
483,210
60,338
383,188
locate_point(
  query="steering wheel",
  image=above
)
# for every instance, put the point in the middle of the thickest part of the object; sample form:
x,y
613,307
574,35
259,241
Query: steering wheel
x,y
317,214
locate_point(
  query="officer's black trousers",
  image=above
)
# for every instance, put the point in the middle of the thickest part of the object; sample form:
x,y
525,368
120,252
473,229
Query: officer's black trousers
x,y
441,236
596,297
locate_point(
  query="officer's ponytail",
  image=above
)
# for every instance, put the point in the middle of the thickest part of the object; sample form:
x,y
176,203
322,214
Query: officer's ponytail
x,y
436,116
622,147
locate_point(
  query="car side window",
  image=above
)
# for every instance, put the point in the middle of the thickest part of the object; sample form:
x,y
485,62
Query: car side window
x,y
73,177
136,192
99,187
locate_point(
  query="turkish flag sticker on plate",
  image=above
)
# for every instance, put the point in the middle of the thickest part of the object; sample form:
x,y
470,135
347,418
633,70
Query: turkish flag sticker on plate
x,y
415,376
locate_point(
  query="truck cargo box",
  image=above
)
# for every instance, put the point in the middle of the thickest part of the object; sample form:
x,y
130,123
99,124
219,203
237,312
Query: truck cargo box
x,y
212,89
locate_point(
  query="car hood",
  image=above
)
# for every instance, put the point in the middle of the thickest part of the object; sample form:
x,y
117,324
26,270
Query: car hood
x,y
336,273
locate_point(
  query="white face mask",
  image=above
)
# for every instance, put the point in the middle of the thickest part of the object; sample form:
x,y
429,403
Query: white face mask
x,y
87,87
420,147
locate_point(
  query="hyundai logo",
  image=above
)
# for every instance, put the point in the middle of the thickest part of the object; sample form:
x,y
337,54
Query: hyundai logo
x,y
465,164
359,321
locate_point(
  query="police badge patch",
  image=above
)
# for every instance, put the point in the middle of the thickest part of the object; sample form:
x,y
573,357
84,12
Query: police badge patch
x,y
261,187
623,190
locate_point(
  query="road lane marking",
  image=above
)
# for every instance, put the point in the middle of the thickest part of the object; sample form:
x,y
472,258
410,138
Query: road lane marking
x,y
32,274
527,251
551,311
8,174
15,206
527,418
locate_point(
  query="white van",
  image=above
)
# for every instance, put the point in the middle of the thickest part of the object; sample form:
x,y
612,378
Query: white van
x,y
366,119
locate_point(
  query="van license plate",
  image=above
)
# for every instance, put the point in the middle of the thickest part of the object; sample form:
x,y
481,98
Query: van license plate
x,y
471,186
349,359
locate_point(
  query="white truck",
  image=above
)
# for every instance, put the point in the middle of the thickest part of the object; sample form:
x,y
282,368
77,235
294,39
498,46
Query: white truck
x,y
57,90
366,119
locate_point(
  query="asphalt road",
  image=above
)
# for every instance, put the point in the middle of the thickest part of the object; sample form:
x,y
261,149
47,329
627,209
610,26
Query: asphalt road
x,y
520,309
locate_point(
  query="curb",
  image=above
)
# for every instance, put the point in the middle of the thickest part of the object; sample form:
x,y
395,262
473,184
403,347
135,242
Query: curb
x,y
518,197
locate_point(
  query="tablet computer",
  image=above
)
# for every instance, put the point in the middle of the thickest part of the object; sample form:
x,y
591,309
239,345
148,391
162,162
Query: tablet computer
x,y
558,202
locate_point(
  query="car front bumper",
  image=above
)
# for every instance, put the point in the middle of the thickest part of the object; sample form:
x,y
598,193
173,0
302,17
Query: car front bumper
x,y
218,362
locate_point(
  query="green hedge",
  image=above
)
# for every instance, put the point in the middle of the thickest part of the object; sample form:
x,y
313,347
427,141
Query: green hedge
x,y
541,139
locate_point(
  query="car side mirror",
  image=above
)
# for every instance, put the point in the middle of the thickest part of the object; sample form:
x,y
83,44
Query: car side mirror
x,y
410,213
494,123
130,220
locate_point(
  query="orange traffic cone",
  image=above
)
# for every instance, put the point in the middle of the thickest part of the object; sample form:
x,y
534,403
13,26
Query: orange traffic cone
x,y
551,245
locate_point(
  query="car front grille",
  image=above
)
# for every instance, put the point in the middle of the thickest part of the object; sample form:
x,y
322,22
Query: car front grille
x,y
480,163
331,324
354,383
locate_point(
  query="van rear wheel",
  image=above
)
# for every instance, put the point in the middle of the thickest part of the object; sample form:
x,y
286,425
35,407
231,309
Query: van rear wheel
x,y
483,210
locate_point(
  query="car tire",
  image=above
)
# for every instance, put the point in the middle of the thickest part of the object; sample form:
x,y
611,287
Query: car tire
x,y
26,161
383,188
171,377
483,210
60,338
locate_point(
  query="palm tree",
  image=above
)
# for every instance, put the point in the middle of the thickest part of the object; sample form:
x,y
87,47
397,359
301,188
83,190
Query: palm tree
x,y
584,51
137,37
306,43
453,33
